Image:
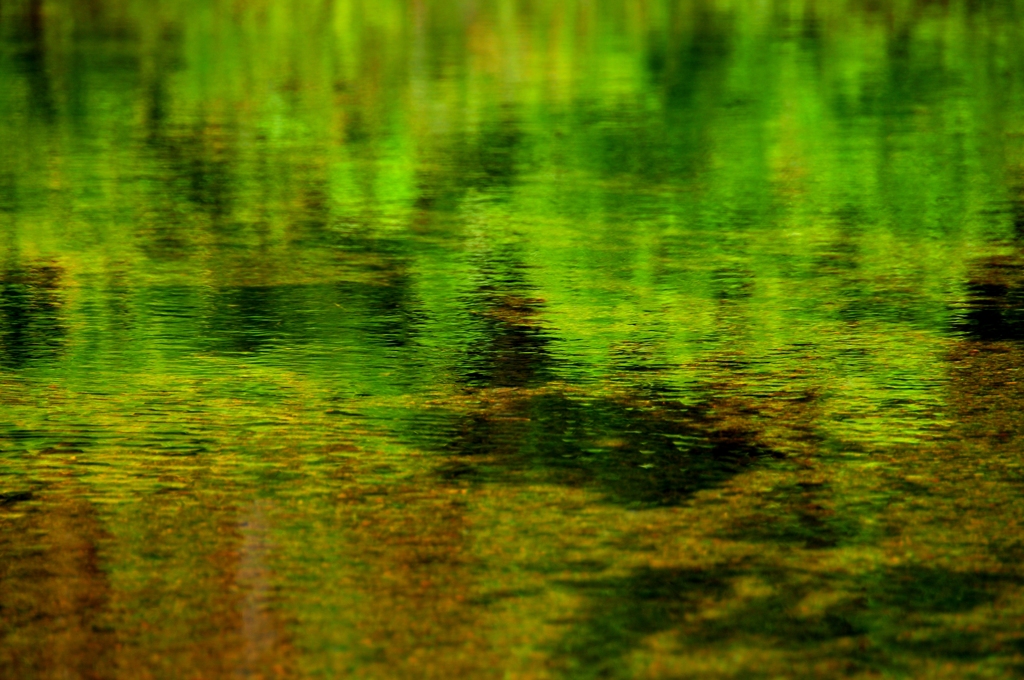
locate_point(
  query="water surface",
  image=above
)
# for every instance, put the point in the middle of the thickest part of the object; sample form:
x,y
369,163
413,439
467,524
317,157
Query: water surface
x,y
511,339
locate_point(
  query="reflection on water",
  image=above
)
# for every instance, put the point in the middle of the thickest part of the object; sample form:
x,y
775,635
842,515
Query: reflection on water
x,y
995,308
30,304
511,338
633,448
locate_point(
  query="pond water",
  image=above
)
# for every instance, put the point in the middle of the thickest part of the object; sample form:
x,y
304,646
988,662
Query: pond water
x,y
511,339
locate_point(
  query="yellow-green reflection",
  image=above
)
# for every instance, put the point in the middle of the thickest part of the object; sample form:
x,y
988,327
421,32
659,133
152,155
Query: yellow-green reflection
x,y
511,338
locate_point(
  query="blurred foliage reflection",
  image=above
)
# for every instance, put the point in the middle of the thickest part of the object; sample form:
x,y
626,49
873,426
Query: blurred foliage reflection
x,y
511,338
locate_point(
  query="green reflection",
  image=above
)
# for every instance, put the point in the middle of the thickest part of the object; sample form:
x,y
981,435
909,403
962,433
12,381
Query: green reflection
x,y
511,338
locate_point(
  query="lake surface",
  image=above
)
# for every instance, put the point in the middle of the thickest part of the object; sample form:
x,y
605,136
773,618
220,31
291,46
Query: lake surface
x,y
511,339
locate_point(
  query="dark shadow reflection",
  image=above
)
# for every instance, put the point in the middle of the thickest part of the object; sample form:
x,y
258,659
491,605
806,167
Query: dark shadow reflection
x,y
800,516
513,349
643,452
31,327
995,306
889,618
248,319
639,446
254,319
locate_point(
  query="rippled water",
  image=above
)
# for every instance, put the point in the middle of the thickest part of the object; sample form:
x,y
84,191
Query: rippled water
x,y
511,338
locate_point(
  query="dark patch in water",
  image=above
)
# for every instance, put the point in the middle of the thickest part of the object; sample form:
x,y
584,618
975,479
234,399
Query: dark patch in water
x,y
646,454
13,497
31,323
995,306
881,612
798,515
